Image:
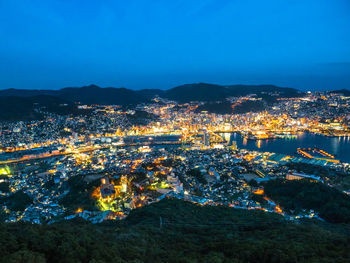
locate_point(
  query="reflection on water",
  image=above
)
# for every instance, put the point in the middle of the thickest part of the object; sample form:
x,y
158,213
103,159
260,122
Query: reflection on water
x,y
258,143
227,136
335,144
338,146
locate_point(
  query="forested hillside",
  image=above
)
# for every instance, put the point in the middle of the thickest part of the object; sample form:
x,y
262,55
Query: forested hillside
x,y
177,231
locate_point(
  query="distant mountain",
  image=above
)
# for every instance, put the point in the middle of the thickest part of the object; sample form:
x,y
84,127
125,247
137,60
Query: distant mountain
x,y
151,93
345,92
211,92
106,96
27,92
224,107
20,103
198,92
85,95
15,108
121,96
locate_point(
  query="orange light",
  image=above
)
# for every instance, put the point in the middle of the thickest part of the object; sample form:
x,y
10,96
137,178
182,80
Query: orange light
x,y
259,191
278,209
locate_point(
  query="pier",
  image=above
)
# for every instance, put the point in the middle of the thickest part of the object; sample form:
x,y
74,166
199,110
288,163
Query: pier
x,y
306,152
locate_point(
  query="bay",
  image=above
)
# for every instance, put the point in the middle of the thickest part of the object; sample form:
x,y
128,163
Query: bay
x,y
338,146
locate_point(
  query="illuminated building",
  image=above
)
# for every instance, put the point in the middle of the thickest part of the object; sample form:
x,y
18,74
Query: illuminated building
x,y
107,189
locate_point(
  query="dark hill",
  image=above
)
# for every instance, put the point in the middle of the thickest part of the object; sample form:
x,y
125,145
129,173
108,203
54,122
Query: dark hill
x,y
198,92
106,96
345,92
18,103
121,96
216,107
189,233
26,92
88,95
151,93
14,108
239,90
210,92
331,204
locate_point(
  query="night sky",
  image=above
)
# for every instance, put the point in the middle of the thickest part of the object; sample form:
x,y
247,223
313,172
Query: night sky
x,y
136,44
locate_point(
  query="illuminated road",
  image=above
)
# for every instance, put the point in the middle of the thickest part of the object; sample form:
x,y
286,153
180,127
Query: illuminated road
x,y
38,157
82,150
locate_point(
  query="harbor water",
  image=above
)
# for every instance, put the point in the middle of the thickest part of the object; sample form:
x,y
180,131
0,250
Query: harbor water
x,y
338,146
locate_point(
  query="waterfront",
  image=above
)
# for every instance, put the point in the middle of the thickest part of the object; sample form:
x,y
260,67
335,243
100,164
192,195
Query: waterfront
x,y
102,165
338,146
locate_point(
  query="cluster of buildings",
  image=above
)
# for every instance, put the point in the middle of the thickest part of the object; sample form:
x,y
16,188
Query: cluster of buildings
x,y
180,153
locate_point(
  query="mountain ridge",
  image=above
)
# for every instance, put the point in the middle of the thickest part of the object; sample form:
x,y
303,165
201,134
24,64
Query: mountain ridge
x,y
93,94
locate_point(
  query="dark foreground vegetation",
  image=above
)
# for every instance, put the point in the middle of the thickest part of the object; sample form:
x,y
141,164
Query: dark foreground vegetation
x,y
294,196
17,201
177,231
79,195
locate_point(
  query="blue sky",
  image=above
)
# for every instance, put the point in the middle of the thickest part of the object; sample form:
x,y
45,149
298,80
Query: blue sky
x,y
51,44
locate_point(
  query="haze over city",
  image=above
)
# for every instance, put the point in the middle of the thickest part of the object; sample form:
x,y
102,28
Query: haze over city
x,y
162,44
